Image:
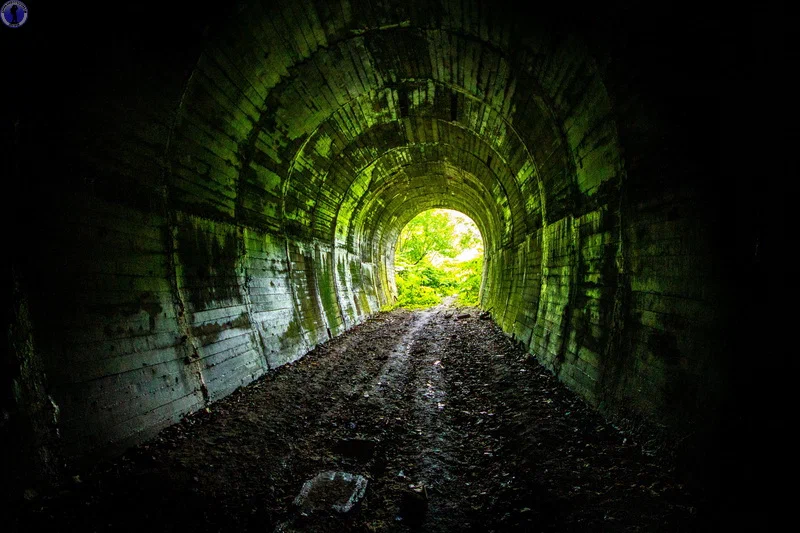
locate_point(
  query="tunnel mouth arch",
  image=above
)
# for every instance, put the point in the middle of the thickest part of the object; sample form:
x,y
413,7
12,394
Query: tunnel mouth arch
x,y
437,255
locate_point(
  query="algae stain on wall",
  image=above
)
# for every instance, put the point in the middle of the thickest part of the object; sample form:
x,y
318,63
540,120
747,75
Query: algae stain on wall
x,y
327,292
208,263
209,333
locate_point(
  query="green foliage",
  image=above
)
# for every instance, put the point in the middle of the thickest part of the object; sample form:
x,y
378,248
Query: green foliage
x,y
470,284
427,232
430,260
413,293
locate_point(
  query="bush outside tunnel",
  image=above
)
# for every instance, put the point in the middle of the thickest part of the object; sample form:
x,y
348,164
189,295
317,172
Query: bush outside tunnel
x,y
437,255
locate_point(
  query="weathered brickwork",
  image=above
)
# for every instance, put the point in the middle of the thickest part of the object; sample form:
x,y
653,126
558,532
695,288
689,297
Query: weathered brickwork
x,y
228,210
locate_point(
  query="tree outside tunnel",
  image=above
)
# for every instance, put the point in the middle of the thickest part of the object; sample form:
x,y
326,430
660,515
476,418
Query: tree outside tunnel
x,y
439,253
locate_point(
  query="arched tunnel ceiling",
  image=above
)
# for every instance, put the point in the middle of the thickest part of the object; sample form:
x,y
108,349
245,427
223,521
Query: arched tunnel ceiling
x,y
480,143
354,108
436,177
388,210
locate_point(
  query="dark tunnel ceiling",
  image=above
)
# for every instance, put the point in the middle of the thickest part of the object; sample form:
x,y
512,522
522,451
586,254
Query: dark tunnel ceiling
x,y
347,130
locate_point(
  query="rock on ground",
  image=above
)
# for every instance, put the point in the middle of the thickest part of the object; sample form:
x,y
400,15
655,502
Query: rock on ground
x,y
339,491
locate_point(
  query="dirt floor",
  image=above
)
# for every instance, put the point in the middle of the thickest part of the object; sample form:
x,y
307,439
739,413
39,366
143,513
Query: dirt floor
x,y
453,426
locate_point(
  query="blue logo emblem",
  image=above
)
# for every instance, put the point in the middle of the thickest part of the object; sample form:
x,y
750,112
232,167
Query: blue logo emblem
x,y
14,14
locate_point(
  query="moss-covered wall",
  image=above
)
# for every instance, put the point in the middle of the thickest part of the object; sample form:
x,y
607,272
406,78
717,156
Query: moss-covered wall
x,y
230,190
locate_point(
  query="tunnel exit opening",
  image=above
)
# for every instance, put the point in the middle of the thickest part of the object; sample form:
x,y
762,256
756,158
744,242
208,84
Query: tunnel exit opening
x,y
438,255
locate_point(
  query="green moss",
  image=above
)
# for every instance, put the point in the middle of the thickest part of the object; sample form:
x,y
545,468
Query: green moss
x,y
327,294
292,336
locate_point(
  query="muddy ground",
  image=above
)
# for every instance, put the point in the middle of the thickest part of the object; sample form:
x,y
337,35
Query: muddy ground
x,y
454,427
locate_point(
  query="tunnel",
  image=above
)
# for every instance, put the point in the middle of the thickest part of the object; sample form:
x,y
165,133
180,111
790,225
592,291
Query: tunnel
x,y
208,193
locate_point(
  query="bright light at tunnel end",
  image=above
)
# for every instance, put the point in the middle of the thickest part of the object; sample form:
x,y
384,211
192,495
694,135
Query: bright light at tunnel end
x,y
439,254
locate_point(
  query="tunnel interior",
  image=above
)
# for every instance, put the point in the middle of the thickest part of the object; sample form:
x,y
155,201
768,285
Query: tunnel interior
x,y
217,196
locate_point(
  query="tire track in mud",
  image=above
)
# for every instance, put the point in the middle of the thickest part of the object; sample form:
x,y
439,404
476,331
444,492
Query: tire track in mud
x,y
425,479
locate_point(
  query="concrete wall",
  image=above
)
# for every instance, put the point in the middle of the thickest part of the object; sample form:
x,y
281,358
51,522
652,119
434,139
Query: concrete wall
x,y
228,195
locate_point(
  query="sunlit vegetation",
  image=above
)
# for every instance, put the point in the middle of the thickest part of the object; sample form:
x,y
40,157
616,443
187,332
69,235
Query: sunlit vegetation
x,y
439,254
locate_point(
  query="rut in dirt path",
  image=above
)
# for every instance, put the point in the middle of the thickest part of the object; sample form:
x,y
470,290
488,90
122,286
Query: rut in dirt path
x,y
454,427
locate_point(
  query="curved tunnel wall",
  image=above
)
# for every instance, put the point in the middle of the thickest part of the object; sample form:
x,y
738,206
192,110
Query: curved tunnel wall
x,y
223,210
